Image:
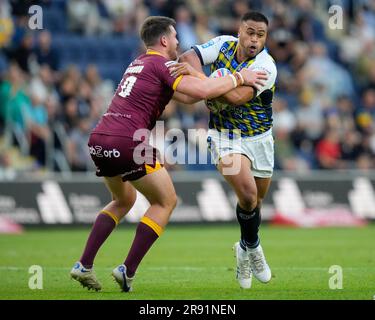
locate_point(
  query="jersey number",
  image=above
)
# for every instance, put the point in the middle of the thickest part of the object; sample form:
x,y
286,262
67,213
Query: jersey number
x,y
127,86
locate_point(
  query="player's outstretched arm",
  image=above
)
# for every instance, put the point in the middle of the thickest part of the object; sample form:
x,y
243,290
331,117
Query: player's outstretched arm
x,y
205,89
189,63
209,88
185,69
184,98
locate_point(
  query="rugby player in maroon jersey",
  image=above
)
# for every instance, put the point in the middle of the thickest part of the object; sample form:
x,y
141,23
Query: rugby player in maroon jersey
x,y
146,88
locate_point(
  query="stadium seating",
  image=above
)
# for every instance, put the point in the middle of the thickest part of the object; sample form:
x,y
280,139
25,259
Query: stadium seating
x,y
54,19
110,54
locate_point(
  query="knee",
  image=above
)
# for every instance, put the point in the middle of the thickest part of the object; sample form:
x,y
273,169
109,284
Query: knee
x,y
124,205
248,199
168,202
172,202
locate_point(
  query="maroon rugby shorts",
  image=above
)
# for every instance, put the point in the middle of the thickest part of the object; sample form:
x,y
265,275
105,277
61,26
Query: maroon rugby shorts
x,y
116,155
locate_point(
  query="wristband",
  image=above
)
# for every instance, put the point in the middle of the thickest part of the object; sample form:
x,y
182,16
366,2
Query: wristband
x,y
239,77
235,83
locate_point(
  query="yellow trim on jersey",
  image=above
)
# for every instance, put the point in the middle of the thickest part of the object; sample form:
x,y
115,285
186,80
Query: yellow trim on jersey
x,y
153,52
176,82
150,169
111,215
153,225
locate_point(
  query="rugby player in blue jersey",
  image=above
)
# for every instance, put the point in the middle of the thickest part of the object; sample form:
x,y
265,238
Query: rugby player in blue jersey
x,y
240,134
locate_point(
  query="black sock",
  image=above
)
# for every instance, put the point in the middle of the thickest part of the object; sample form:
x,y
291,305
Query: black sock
x,y
249,222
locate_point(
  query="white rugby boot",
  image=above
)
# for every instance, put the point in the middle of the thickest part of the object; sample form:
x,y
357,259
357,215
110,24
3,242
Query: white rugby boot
x,y
125,282
243,271
85,276
258,264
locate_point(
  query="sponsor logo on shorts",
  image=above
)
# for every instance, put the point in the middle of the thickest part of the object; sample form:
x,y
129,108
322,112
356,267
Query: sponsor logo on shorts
x,y
128,173
99,152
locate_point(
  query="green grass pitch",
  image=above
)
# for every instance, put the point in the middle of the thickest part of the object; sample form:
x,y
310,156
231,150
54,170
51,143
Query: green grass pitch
x,y
194,262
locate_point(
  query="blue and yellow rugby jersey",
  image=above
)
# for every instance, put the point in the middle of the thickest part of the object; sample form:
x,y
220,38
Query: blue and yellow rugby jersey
x,y
255,116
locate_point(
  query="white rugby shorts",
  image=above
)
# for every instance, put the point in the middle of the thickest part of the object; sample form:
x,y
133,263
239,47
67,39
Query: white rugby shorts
x,y
259,149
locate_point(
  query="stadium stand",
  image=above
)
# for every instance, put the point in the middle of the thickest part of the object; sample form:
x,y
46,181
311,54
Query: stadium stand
x,y
53,91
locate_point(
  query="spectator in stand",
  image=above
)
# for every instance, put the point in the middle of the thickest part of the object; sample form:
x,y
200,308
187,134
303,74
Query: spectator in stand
x,y
70,116
45,54
69,83
351,148
328,151
101,90
157,7
185,28
23,53
320,63
283,118
38,132
13,98
203,29
78,155
310,116
6,24
83,16
43,83
366,114
83,98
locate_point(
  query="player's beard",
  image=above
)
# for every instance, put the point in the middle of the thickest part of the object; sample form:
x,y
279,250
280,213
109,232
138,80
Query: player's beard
x,y
173,53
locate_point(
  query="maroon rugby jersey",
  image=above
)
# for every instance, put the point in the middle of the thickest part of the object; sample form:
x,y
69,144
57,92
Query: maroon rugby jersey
x,y
144,91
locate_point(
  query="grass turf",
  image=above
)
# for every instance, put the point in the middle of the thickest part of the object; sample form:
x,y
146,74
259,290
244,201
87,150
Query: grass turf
x,y
194,262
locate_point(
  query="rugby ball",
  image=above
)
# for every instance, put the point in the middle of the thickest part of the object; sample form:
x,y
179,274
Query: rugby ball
x,y
213,104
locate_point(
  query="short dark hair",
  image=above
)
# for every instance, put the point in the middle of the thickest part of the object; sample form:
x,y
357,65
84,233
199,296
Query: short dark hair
x,y
154,27
255,16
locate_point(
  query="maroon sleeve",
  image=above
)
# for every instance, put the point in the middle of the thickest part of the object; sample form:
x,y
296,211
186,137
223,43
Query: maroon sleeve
x,y
162,68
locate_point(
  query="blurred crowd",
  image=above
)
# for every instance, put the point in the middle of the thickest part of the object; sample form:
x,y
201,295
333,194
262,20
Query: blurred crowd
x,y
323,111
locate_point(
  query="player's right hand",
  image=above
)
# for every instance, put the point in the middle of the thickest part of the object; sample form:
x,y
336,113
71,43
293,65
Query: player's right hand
x,y
253,78
182,68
